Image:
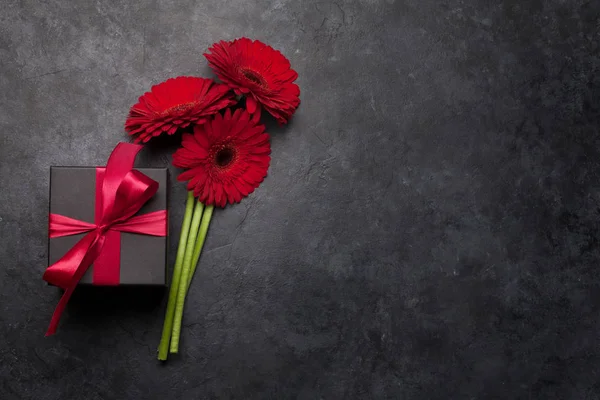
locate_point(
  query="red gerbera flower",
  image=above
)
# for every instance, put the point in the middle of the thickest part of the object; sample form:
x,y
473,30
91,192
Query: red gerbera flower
x,y
176,103
259,72
227,158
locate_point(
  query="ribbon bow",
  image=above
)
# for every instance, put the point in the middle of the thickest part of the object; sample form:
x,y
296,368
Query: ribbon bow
x,y
123,191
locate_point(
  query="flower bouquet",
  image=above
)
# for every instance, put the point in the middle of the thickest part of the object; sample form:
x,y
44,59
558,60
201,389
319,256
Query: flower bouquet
x,y
225,151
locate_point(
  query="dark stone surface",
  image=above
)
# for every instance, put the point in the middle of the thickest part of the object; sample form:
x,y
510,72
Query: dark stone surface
x,y
428,229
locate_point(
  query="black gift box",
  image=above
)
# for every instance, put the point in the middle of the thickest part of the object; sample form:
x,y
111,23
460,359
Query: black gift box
x,y
143,257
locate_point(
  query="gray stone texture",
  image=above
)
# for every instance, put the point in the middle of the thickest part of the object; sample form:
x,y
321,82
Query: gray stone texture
x,y
428,228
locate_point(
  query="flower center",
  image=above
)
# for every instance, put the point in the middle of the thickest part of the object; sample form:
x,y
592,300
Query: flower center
x,y
224,157
253,77
179,108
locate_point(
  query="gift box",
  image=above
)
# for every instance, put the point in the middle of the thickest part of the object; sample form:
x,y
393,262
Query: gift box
x,y
141,259
106,226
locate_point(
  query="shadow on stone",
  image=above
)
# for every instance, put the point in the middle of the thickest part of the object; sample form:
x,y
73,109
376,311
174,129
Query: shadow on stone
x,y
97,303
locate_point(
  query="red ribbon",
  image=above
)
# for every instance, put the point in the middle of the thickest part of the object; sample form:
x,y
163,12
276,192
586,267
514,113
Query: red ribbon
x,y
120,192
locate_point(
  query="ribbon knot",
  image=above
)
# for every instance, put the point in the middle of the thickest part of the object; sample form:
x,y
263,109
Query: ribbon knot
x,y
123,192
103,228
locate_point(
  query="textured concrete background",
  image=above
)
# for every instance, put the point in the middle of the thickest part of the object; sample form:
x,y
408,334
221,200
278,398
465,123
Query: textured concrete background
x,y
428,229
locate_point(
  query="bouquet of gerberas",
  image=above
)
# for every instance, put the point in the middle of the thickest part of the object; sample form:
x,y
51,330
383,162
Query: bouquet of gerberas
x,y
225,154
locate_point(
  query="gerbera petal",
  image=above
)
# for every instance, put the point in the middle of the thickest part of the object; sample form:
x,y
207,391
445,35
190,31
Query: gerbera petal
x,y
190,142
187,175
251,104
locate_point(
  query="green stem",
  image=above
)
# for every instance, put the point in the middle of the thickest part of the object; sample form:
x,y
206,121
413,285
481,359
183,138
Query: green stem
x,y
163,347
185,273
206,217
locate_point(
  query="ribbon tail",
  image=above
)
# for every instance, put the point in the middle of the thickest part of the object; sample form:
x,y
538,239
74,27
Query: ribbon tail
x,y
60,308
75,263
